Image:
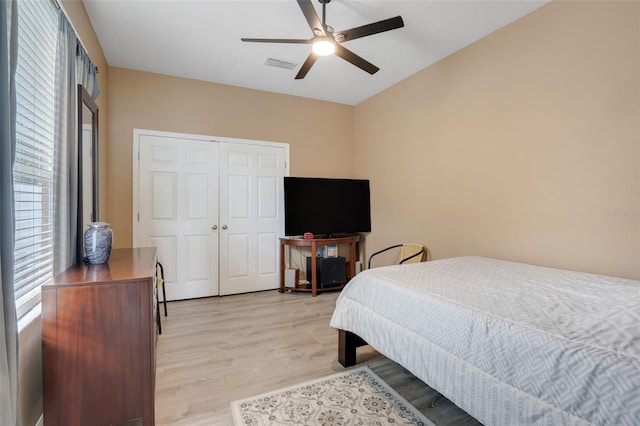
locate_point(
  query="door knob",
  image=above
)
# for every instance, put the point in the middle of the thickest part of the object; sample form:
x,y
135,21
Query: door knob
x,y
224,226
214,227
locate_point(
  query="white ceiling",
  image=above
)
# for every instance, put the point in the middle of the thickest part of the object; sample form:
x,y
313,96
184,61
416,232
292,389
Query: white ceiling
x,y
201,40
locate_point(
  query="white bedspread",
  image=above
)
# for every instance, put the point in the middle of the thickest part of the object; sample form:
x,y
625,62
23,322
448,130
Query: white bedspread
x,y
510,343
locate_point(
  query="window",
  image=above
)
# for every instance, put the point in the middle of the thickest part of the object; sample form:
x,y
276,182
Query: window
x,y
34,167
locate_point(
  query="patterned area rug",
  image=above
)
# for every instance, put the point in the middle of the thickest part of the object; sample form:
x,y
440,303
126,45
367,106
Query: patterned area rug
x,y
354,397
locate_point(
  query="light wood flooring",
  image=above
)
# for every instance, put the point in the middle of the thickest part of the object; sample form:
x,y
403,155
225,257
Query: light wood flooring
x,y
216,350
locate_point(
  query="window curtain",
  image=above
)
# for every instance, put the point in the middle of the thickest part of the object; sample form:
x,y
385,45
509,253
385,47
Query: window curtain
x,y
65,150
87,73
73,67
9,413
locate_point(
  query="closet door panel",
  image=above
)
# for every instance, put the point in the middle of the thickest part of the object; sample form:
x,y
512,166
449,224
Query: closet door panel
x,y
178,211
251,188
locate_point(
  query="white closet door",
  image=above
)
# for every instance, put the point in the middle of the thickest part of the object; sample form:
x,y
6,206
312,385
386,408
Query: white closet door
x,y
178,211
251,208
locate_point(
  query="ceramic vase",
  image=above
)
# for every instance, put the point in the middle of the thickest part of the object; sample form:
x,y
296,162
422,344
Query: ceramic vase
x,y
97,242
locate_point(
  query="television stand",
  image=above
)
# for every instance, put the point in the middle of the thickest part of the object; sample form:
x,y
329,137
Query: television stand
x,y
354,254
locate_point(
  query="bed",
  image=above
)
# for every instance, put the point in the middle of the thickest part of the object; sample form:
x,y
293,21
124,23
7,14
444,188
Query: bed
x,y
510,343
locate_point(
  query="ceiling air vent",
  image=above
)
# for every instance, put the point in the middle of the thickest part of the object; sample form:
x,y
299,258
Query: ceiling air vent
x,y
278,63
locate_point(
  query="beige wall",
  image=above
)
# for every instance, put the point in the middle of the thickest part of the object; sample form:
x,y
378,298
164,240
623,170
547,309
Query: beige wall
x,y
320,134
518,146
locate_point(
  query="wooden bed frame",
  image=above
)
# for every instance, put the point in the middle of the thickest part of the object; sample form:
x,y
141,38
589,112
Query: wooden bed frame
x,y
347,345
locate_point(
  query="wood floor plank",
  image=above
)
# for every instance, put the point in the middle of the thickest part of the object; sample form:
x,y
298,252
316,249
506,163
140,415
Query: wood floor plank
x,y
217,350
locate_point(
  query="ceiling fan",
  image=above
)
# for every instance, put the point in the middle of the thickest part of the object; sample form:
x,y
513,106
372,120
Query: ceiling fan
x,y
327,42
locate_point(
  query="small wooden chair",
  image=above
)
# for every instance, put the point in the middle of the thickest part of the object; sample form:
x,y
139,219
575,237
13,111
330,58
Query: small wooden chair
x,y
160,284
409,253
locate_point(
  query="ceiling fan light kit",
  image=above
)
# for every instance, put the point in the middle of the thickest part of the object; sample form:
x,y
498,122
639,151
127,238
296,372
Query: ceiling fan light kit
x,y
324,46
327,42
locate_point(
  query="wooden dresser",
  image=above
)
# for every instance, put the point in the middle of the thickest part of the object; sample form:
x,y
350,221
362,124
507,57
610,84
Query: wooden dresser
x,y
98,342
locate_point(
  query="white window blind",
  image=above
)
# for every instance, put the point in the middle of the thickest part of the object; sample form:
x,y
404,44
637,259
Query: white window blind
x,y
33,168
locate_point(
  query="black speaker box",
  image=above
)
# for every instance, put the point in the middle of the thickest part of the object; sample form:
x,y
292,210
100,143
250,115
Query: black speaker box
x,y
330,271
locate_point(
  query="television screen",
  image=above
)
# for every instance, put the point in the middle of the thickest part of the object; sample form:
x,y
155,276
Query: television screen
x,y
326,206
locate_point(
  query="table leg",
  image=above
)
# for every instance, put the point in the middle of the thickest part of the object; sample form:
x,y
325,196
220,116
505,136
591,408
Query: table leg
x,y
281,268
314,274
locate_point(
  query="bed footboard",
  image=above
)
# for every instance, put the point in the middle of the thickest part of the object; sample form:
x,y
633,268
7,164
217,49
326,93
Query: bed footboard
x,y
347,344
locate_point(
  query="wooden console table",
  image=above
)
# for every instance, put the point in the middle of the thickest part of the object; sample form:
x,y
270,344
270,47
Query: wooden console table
x,y
99,340
354,255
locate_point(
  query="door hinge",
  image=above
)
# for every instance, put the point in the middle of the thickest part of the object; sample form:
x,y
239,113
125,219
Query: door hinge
x,y
138,155
138,216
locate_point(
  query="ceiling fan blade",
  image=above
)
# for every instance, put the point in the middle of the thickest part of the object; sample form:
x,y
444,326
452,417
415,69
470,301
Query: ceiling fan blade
x,y
312,17
370,29
276,40
356,60
304,69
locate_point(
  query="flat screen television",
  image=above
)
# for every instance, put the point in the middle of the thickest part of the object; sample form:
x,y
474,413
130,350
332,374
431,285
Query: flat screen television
x,y
326,206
